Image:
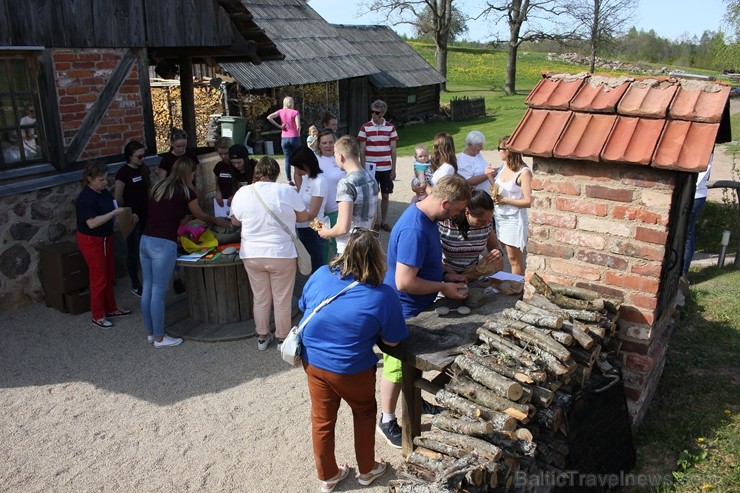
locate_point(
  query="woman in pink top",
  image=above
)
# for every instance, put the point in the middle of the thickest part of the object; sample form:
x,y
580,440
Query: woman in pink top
x,y
290,126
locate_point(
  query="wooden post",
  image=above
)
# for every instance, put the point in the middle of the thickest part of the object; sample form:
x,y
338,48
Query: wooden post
x,y
187,100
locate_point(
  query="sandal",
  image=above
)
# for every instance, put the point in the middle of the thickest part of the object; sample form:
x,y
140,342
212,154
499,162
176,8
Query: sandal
x,y
119,312
329,485
103,323
378,470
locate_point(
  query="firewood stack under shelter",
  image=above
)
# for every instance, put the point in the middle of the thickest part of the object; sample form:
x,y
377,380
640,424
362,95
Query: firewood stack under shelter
x,y
506,396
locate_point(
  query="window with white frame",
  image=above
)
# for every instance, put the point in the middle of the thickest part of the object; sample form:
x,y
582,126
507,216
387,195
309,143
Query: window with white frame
x,y
21,135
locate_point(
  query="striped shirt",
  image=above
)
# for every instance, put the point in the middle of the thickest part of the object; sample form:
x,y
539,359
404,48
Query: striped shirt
x,y
360,188
459,253
378,140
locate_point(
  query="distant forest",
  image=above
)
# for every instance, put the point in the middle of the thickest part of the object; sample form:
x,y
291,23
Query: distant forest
x,y
637,46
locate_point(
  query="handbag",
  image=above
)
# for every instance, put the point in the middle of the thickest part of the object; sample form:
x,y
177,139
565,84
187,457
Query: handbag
x,y
291,349
304,258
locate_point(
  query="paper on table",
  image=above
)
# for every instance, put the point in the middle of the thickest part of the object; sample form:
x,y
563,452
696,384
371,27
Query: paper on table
x,y
507,276
219,211
126,222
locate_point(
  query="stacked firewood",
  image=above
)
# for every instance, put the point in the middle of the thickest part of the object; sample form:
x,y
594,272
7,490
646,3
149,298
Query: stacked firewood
x,y
506,398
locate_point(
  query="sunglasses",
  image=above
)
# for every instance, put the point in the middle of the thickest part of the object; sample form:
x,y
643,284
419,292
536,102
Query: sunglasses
x,y
376,112
503,148
179,136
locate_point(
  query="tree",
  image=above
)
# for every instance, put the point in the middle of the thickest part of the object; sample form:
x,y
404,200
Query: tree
x,y
600,21
522,17
425,27
436,16
727,44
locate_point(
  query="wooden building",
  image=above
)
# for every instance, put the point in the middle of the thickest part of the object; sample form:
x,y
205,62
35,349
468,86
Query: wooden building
x,y
74,87
404,80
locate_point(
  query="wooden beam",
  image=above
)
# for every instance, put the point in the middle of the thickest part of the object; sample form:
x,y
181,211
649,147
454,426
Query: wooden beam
x,y
187,100
150,134
98,110
52,128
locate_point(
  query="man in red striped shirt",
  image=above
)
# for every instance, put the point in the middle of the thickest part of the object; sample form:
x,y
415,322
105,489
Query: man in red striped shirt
x,y
377,140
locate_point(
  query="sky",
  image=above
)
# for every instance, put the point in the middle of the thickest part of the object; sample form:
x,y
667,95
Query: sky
x,y
671,19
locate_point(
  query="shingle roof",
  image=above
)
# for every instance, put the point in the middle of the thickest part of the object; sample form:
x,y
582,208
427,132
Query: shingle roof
x,y
314,51
665,123
398,63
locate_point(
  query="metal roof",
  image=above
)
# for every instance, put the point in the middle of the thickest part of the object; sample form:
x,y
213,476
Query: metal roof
x,y
314,51
665,123
398,63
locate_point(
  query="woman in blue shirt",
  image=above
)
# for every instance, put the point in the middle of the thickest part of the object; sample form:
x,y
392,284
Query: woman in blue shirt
x,y
338,354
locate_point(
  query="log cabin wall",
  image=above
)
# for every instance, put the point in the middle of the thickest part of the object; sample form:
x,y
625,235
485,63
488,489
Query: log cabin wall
x,y
605,227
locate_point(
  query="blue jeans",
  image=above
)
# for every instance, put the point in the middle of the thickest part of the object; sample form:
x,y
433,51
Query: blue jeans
x,y
688,253
315,245
158,258
289,144
132,255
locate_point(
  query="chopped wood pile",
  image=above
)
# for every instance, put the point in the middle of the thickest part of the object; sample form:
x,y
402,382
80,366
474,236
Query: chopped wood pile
x,y
506,398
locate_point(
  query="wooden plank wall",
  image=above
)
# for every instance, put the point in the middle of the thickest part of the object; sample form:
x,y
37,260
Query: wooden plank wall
x,y
72,23
400,111
114,23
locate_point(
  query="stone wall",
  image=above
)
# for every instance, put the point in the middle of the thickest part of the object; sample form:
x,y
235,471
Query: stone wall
x,y
604,227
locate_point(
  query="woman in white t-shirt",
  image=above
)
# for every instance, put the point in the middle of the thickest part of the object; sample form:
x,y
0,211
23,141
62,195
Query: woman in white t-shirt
x,y
313,191
267,250
332,174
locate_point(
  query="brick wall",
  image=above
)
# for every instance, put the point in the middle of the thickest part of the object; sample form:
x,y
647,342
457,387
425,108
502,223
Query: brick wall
x,y
80,76
604,227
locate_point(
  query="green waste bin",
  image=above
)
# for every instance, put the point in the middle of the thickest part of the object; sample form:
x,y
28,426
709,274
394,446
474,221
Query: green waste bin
x,y
234,127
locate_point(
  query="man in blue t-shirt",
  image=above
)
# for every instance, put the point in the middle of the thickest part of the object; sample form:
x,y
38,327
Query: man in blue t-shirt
x,y
415,273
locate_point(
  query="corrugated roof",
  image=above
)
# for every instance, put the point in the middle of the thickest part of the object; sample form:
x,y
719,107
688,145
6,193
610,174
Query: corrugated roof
x,y
399,64
666,123
314,51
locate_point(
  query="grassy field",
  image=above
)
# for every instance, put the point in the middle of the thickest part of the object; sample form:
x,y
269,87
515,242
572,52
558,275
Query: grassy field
x,y
692,431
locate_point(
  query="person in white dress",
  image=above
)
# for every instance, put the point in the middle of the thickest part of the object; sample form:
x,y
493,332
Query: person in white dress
x,y
514,181
443,160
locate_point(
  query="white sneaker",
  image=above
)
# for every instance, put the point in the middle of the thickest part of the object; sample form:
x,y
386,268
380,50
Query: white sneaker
x,y
168,341
280,346
150,339
262,344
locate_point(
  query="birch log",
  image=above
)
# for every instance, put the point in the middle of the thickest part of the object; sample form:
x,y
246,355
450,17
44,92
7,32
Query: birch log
x,y
465,442
519,373
479,394
464,407
518,331
505,347
548,321
505,387
445,421
579,335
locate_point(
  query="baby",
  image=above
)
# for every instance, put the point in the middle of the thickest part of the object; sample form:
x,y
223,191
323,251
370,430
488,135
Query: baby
x,y
421,164
311,141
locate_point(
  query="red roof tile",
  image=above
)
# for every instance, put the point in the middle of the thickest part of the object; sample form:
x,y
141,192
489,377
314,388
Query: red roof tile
x,y
683,146
555,93
648,98
633,140
584,137
538,131
700,104
600,95
666,123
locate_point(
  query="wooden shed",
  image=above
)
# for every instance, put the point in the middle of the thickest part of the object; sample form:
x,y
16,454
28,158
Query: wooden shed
x,y
74,86
404,80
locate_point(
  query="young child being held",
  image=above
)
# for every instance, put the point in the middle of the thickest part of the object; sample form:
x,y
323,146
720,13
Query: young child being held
x,y
421,164
311,141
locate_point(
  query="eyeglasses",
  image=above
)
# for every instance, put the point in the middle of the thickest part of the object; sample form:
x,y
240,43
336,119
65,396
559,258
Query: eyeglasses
x,y
179,136
376,112
503,148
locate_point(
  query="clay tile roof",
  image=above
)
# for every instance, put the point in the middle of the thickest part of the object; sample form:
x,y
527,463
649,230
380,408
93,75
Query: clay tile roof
x,y
666,123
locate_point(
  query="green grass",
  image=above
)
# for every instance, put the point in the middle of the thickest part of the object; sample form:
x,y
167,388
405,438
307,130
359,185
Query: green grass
x,y
692,430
